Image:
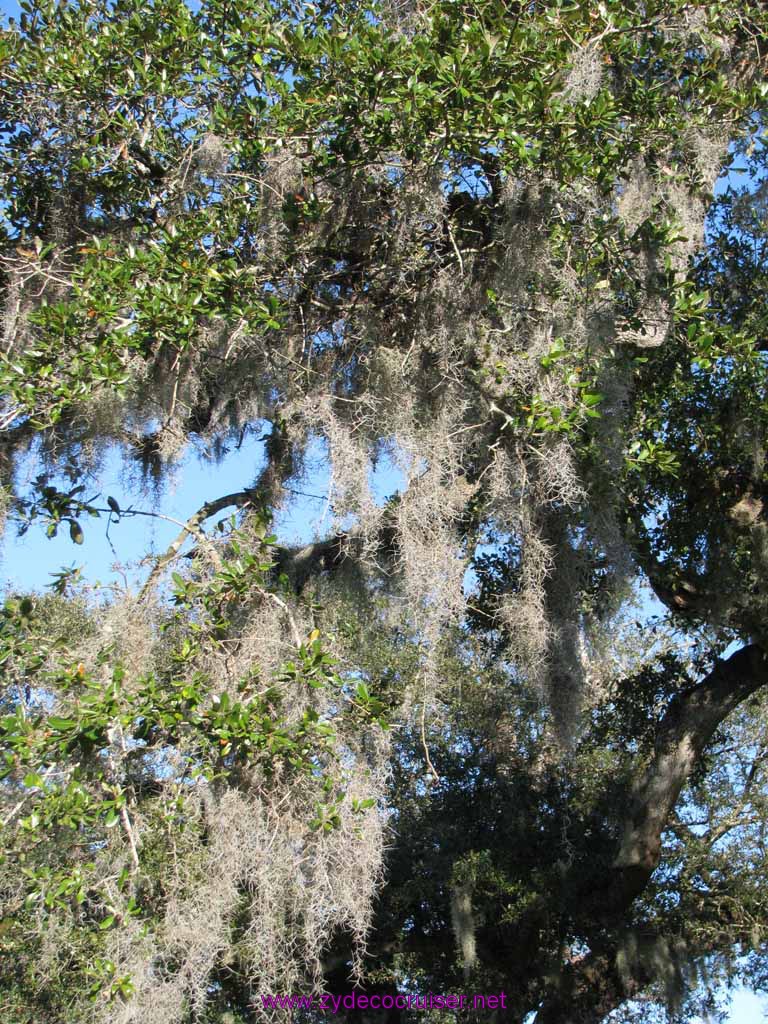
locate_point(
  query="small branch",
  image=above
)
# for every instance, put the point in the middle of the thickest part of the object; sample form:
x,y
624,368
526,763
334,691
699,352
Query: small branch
x,y
192,528
128,829
287,611
455,248
116,731
17,807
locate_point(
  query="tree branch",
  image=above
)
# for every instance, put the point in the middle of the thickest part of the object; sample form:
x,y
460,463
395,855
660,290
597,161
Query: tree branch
x,y
192,528
685,730
588,989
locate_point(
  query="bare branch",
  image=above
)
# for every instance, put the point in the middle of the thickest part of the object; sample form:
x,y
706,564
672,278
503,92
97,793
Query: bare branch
x,y
192,528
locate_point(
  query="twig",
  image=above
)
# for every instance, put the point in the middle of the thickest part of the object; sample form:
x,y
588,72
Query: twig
x,y
407,355
462,430
427,758
287,611
10,417
15,810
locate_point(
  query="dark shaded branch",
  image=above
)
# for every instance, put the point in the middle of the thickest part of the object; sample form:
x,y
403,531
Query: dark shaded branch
x,y
589,988
685,730
308,561
681,596
587,991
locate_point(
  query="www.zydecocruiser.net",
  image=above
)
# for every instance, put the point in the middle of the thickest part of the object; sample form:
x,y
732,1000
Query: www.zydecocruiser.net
x,y
386,1001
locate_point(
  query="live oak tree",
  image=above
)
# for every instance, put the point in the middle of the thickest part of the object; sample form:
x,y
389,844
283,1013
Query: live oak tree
x,y
528,840
465,240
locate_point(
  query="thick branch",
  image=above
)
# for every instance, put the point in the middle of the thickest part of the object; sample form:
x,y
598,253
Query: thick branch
x,y
684,597
591,987
685,730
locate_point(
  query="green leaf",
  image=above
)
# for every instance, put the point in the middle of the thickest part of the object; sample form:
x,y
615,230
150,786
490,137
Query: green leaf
x,y
60,724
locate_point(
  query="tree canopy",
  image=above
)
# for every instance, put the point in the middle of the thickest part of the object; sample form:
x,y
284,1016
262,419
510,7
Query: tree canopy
x,y
442,746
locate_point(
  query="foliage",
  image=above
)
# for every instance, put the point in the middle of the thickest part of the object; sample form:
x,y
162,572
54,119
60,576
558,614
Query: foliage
x,y
466,238
532,836
103,759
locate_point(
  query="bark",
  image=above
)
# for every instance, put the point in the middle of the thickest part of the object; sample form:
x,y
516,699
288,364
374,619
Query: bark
x,y
590,988
685,730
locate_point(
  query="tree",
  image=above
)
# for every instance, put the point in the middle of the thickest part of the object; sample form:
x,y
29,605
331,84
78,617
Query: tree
x,y
463,238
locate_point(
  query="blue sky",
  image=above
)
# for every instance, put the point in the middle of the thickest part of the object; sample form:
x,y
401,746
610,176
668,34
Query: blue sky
x,y
28,561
